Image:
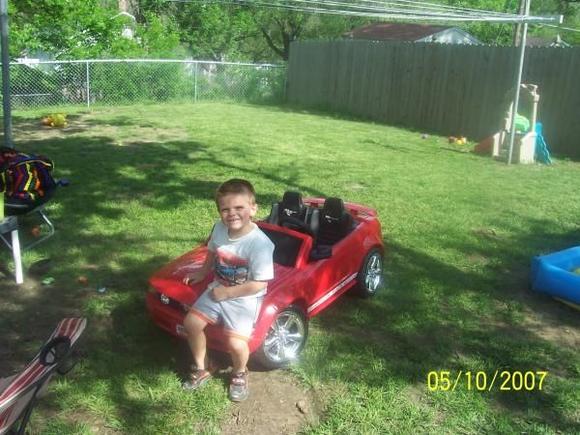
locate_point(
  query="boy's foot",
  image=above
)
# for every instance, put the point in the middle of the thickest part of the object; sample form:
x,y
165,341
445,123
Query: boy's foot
x,y
197,379
239,390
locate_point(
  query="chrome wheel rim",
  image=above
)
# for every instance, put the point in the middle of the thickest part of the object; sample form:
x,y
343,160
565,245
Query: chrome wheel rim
x,y
374,273
285,338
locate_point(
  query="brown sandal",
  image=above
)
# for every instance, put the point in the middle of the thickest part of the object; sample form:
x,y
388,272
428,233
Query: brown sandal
x,y
197,378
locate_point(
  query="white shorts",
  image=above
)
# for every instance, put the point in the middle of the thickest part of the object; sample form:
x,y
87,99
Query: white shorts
x,y
238,315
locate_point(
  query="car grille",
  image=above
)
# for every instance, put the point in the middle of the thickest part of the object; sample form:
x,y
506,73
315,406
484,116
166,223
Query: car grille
x,y
163,299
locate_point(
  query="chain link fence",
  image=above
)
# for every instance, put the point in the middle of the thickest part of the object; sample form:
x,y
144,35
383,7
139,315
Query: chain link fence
x,y
117,82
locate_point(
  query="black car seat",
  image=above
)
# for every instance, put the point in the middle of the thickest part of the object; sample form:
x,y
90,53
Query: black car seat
x,y
335,222
290,206
292,213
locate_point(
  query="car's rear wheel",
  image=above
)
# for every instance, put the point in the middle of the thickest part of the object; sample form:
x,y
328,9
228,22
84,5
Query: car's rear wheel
x,y
285,339
370,278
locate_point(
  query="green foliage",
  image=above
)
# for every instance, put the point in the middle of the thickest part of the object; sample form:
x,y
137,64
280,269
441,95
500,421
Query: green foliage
x,y
213,30
86,29
502,34
164,81
65,28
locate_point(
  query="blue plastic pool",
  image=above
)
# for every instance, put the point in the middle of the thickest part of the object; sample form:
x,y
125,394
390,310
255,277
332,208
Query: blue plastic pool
x,y
554,274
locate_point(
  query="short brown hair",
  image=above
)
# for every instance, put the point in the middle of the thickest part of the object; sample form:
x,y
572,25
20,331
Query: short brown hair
x,y
235,186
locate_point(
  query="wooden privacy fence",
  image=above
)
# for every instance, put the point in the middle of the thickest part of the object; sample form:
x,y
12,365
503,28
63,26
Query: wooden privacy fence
x,y
446,89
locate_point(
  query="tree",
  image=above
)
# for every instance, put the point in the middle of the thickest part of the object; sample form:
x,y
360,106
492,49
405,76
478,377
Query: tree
x,y
280,27
82,29
502,34
66,28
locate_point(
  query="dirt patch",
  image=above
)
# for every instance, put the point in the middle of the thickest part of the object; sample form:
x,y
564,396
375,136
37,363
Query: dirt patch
x,y
278,404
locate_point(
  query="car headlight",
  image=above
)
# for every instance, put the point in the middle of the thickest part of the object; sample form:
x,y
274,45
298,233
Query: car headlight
x,y
164,299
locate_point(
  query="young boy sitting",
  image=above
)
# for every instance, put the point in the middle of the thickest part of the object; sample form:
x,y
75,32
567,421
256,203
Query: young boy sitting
x,y
240,255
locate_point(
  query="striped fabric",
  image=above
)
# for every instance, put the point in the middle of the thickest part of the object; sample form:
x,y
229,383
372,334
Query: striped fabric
x,y
17,392
25,176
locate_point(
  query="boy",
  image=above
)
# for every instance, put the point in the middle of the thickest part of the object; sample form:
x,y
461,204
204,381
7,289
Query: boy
x,y
240,255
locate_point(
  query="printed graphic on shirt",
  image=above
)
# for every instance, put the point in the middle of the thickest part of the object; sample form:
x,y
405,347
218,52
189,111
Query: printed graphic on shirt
x,y
230,269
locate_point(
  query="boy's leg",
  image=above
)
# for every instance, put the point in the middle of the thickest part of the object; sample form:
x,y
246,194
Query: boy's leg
x,y
203,312
239,316
240,354
194,326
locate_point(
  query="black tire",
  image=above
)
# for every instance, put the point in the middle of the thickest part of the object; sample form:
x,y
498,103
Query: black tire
x,y
370,278
285,339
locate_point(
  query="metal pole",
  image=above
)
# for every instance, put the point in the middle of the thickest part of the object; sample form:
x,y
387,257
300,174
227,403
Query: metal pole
x,y
518,84
7,114
518,26
88,86
195,84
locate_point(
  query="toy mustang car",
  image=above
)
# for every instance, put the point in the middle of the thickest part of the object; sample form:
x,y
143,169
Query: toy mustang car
x,y
322,249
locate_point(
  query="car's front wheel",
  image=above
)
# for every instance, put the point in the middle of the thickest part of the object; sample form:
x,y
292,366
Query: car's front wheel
x,y
285,339
370,278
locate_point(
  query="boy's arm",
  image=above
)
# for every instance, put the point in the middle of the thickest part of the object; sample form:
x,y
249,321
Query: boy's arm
x,y
200,274
248,288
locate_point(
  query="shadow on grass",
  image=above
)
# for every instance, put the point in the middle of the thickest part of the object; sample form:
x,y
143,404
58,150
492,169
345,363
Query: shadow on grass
x,y
121,345
435,316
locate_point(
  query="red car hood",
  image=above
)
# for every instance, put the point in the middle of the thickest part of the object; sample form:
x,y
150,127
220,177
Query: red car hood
x,y
169,279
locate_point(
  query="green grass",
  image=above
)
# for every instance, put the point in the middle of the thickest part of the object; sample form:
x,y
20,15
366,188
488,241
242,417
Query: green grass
x,y
460,231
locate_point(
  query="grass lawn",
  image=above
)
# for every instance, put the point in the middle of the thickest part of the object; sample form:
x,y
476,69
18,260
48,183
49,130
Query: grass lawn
x,y
460,232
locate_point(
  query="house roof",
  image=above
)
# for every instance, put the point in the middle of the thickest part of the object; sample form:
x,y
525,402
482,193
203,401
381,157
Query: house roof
x,y
394,31
536,41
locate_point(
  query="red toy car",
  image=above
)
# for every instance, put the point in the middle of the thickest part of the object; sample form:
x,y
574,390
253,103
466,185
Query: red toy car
x,y
322,249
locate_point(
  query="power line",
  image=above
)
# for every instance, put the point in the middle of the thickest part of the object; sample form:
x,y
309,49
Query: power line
x,y
570,29
404,5
391,10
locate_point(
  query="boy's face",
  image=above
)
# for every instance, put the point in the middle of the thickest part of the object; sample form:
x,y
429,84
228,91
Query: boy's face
x,y
236,211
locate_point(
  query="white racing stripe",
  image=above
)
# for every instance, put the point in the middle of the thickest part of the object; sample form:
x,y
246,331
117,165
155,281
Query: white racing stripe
x,y
332,292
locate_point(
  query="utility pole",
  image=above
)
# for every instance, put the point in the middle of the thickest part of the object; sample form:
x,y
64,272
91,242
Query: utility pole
x,y
7,113
519,82
518,26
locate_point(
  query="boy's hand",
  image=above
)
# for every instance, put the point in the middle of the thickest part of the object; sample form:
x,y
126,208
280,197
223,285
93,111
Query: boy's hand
x,y
194,277
219,293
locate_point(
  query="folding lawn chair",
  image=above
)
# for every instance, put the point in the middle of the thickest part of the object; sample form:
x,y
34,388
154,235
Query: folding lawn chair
x,y
29,185
18,393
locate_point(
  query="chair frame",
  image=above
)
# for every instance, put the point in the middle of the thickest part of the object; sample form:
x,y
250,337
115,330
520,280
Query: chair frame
x,y
20,392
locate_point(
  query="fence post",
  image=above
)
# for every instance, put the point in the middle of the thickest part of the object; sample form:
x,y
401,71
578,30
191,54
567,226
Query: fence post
x,y
285,90
195,83
88,86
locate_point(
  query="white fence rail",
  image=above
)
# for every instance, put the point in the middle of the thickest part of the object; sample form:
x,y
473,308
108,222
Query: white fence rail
x,y
114,82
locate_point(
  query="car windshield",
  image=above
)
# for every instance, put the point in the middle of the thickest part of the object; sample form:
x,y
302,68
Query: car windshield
x,y
286,247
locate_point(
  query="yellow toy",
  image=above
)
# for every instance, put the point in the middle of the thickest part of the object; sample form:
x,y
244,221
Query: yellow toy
x,y
55,120
462,140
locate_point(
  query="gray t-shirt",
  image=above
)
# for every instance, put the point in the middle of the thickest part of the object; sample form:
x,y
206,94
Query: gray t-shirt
x,y
248,258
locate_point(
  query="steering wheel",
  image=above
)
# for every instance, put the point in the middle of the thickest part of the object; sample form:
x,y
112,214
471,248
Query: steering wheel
x,y
297,225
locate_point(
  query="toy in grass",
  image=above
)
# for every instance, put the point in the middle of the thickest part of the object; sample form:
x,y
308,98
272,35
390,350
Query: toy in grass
x,y
558,274
54,120
461,140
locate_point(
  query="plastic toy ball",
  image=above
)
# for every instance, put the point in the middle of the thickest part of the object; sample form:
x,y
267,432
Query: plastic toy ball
x,y
59,120
54,120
